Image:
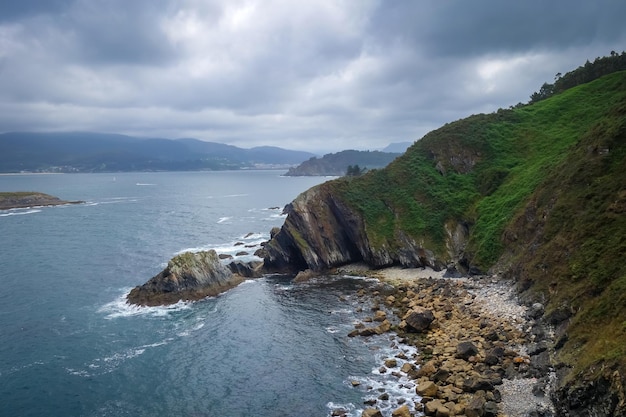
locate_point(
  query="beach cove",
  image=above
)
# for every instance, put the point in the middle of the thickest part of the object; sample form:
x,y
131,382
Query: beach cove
x,y
484,353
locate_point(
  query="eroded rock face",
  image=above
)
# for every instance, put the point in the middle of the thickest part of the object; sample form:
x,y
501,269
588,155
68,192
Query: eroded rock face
x,y
188,276
604,396
322,232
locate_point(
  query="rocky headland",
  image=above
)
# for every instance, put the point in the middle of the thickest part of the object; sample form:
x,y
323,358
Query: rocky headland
x,y
321,231
23,199
534,195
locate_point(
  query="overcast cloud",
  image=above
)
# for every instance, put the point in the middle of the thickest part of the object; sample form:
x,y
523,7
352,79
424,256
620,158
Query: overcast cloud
x,y
322,75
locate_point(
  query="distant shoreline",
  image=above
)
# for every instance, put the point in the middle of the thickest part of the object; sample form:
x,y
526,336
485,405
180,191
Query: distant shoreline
x,y
30,173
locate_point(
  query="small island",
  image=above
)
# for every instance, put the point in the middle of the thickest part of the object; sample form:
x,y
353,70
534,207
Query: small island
x,y
23,199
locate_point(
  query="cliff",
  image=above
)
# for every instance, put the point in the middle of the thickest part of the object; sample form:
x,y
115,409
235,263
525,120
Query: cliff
x,y
188,276
536,193
322,231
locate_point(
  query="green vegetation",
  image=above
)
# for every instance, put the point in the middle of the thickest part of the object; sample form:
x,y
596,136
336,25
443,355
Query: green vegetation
x,y
542,188
355,171
591,71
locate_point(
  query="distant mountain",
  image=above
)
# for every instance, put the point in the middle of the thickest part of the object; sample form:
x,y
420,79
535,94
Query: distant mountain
x,y
102,152
338,163
397,147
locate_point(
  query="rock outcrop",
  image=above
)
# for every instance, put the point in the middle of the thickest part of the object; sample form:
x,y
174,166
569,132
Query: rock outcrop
x,y
188,276
321,232
11,200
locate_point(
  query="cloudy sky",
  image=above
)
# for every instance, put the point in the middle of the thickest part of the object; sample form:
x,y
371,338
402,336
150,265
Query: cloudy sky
x,y
316,75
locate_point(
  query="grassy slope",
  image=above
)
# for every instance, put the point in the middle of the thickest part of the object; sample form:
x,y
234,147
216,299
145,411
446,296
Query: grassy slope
x,y
547,156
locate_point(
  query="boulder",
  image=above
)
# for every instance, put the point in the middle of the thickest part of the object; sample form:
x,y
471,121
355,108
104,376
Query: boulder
x,y
380,316
391,363
481,383
476,406
188,276
436,408
371,412
427,369
402,411
419,319
465,350
252,269
536,310
426,389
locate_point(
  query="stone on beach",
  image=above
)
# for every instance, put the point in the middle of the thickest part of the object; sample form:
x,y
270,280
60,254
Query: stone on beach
x,y
419,319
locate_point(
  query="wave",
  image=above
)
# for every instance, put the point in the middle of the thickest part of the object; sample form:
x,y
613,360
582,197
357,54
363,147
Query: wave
x,y
20,213
224,219
120,308
228,196
390,380
248,243
108,364
188,332
143,184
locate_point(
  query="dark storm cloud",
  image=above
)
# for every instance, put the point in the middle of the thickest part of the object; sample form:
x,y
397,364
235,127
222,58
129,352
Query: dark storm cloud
x,y
458,28
17,9
317,75
119,32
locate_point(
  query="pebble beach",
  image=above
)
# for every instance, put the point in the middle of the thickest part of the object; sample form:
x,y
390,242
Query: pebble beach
x,y
483,354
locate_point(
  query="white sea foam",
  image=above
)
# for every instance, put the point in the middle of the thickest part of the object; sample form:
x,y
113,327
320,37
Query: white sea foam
x,y
143,184
224,219
19,213
250,245
188,332
108,364
120,308
389,380
349,408
227,196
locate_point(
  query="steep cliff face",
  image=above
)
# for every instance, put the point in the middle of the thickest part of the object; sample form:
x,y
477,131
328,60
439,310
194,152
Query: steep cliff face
x,y
321,231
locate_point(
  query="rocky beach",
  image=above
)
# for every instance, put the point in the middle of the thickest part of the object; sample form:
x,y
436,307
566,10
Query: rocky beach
x,y
480,352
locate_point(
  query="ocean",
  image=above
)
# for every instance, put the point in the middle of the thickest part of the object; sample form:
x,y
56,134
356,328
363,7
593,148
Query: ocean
x,y
71,346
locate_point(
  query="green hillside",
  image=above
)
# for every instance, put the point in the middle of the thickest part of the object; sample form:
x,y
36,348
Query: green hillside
x,y
541,188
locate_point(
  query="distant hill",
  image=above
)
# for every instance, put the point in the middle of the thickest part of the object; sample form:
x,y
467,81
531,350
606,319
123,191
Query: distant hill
x,y
397,147
101,152
337,163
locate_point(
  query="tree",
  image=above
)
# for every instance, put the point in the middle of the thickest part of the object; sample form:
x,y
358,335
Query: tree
x,y
354,171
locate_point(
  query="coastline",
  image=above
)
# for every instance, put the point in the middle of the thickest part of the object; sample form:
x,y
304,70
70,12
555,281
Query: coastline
x,y
507,375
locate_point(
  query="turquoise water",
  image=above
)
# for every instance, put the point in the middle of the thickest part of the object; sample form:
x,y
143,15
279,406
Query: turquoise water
x,y
71,346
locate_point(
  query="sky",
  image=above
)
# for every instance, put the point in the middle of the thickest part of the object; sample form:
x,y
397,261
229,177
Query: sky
x,y
314,75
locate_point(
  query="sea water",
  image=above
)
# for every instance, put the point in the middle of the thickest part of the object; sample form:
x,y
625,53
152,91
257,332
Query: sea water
x,y
71,346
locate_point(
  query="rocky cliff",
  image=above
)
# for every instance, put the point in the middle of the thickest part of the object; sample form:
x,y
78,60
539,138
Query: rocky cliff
x,y
188,276
535,193
321,232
